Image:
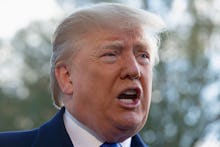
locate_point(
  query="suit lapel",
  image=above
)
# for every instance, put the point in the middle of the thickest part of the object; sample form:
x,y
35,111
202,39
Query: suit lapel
x,y
137,141
53,133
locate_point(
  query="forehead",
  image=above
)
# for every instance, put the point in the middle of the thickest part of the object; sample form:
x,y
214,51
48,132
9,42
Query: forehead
x,y
136,39
119,37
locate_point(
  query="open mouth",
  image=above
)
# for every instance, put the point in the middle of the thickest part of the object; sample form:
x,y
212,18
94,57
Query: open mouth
x,y
129,96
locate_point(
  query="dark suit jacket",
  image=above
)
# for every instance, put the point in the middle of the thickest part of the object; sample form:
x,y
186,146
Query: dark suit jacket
x,y
50,134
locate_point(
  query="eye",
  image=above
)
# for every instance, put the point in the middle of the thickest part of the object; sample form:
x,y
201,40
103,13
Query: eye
x,y
109,57
109,54
143,58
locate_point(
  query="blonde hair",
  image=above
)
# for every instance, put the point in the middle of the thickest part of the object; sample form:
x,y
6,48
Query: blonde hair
x,y
68,35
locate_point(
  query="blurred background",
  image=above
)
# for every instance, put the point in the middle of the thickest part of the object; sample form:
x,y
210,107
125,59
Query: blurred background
x,y
185,110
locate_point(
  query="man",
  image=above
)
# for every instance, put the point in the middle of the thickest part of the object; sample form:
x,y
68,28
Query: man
x,y
101,78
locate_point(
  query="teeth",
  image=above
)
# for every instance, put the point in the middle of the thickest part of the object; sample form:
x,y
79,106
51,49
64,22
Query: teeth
x,y
130,92
128,101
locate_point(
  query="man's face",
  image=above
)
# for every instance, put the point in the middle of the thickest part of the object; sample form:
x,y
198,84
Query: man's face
x,y
111,76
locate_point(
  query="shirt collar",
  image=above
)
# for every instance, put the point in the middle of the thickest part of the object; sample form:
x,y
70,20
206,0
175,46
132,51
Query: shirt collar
x,y
78,133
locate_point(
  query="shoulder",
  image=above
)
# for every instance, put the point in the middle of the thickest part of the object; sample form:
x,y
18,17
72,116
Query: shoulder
x,y
51,133
17,138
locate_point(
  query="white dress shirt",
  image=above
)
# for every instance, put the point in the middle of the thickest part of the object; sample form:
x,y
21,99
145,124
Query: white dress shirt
x,y
80,136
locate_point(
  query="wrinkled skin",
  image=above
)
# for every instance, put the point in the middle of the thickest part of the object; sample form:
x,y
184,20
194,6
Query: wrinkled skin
x,y
107,63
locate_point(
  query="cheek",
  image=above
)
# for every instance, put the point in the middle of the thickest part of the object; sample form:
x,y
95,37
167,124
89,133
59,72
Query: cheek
x,y
147,80
92,84
147,88
102,77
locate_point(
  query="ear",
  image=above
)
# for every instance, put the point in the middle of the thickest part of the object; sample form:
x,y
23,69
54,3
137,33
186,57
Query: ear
x,y
63,77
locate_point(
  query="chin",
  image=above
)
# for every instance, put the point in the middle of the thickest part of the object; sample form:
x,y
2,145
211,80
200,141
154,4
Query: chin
x,y
131,125
124,129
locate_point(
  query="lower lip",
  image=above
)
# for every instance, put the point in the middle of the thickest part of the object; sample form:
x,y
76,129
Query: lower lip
x,y
129,104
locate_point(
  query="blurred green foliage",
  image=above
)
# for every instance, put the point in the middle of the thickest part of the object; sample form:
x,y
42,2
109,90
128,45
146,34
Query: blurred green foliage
x,y
185,102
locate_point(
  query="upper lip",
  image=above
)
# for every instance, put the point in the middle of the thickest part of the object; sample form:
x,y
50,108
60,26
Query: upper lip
x,y
136,88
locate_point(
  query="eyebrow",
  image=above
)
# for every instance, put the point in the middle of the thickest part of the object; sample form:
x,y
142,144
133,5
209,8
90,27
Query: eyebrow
x,y
119,45
113,45
142,46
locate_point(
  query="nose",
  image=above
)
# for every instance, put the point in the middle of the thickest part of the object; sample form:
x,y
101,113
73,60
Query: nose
x,y
130,68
